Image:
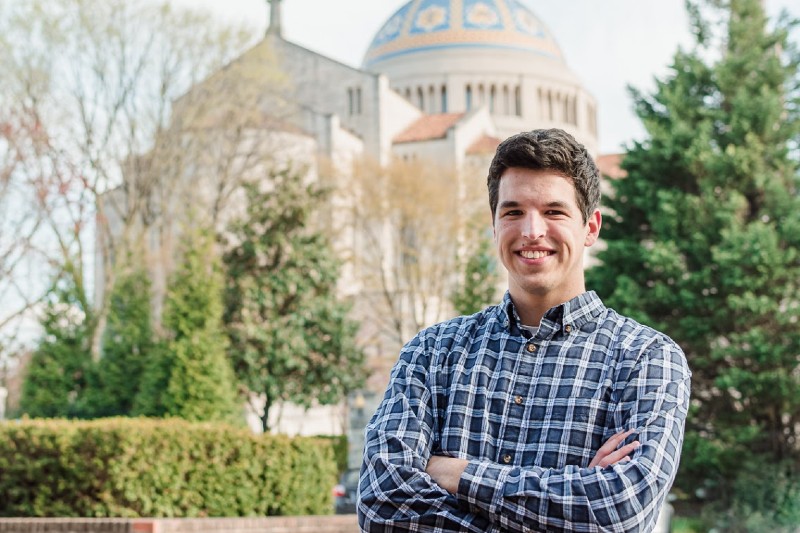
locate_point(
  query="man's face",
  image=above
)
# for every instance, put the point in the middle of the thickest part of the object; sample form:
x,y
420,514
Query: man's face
x,y
541,236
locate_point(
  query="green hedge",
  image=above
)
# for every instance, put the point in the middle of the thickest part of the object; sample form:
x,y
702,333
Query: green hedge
x,y
340,450
123,467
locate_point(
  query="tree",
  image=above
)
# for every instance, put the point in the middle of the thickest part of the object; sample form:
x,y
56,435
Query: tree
x,y
128,342
410,218
20,224
88,86
196,376
478,288
703,244
291,338
56,374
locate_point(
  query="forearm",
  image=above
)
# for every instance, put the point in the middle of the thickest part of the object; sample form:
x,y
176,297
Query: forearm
x,y
448,471
397,495
616,498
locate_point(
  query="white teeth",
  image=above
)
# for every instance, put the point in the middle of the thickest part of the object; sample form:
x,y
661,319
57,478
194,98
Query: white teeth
x,y
531,254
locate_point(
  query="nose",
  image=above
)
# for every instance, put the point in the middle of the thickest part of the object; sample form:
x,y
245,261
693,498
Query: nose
x,y
534,226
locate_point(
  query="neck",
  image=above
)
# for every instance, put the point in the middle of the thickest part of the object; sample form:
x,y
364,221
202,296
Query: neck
x,y
532,307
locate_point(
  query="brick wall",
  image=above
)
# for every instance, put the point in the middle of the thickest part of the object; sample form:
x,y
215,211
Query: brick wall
x,y
278,524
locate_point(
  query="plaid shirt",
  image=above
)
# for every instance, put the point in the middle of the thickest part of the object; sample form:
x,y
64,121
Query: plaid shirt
x,y
528,414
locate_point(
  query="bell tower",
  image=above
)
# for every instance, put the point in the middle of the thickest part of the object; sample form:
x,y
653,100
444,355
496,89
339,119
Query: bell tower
x,y
274,27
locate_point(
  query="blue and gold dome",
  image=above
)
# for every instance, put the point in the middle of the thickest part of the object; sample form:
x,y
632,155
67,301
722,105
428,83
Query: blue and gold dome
x,y
425,25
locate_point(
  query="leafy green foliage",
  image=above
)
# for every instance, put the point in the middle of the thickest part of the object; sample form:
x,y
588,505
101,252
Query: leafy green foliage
x,y
191,376
291,338
479,286
128,342
56,375
703,243
159,468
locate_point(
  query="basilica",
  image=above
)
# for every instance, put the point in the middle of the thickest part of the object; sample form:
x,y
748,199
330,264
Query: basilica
x,y
442,78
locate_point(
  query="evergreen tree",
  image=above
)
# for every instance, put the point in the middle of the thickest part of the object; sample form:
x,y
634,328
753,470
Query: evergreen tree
x,y
128,342
156,370
191,376
704,244
291,338
478,288
56,374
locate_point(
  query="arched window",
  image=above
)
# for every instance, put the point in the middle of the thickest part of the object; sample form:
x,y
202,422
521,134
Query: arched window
x,y
468,97
444,98
518,101
420,99
492,98
431,99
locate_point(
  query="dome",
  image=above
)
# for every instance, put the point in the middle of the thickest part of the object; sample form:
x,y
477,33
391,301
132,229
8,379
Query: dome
x,y
428,25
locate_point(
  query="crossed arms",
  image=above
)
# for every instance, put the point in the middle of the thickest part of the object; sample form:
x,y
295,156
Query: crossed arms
x,y
446,471
404,487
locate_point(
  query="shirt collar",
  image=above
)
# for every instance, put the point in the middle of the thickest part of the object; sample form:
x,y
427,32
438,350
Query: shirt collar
x,y
567,316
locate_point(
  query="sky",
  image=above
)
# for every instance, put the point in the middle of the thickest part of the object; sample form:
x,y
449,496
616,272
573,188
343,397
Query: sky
x,y
608,44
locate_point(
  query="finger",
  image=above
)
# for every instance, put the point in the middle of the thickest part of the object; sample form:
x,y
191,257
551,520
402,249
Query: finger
x,y
609,447
611,444
619,455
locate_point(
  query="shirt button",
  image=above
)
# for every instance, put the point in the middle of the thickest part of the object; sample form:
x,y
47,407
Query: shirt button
x,y
507,458
531,348
567,328
518,400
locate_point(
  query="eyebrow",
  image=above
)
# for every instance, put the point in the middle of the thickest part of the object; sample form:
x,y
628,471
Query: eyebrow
x,y
508,203
513,203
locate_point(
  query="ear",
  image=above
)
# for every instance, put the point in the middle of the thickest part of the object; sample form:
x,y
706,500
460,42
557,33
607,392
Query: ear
x,y
593,228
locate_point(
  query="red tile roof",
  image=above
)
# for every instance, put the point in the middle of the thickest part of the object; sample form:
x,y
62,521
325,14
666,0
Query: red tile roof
x,y
485,144
609,165
429,127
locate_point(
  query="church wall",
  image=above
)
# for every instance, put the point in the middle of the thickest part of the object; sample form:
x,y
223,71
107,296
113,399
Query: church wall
x,y
346,148
325,86
295,420
469,129
440,151
396,113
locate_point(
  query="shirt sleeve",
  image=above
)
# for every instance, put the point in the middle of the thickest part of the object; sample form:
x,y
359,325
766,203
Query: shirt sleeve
x,y
395,493
623,497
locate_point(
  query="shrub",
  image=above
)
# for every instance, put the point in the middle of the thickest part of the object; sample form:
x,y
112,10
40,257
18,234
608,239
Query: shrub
x,y
160,468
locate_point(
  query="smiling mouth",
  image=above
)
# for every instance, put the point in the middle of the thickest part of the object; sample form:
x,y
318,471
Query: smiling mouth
x,y
534,254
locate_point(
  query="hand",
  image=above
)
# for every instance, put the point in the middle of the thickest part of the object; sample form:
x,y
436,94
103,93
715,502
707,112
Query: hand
x,y
608,454
446,471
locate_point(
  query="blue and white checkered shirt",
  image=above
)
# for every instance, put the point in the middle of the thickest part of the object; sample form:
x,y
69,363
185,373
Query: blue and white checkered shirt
x,y
529,415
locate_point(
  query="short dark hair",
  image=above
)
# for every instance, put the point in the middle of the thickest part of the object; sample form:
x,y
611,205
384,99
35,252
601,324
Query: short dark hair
x,y
552,149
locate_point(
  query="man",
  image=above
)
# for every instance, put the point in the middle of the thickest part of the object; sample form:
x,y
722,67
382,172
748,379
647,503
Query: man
x,y
548,412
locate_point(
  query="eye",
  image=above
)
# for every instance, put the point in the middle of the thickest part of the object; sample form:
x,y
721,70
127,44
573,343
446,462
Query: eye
x,y
512,213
